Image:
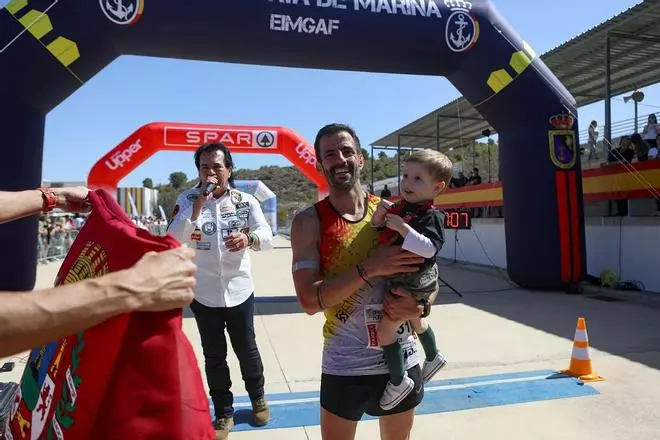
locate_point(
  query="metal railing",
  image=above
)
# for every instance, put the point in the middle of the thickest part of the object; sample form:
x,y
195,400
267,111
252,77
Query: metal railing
x,y
56,247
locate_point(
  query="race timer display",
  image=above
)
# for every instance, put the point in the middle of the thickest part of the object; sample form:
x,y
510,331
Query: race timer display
x,y
457,219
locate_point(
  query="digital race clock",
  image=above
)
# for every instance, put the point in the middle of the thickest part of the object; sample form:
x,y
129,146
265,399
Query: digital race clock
x,y
457,219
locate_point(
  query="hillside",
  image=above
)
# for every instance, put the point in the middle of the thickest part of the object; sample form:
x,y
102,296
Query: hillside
x,y
294,191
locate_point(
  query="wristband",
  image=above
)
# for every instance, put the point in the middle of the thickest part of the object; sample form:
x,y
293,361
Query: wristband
x,y
50,199
363,274
427,308
319,297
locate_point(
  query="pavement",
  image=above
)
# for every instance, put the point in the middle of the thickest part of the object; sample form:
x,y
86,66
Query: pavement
x,y
505,345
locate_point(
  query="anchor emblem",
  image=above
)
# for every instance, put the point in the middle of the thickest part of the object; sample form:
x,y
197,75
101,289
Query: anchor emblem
x,y
460,40
462,31
119,10
122,11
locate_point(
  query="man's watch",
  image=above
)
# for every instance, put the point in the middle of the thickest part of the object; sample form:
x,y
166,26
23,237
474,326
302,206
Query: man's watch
x,y
427,308
252,239
50,199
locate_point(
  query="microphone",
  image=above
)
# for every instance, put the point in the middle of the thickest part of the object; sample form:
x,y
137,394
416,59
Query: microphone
x,y
208,189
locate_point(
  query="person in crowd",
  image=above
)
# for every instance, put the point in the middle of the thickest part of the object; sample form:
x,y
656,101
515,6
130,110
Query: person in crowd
x,y
475,177
223,223
593,140
651,131
385,193
640,146
624,153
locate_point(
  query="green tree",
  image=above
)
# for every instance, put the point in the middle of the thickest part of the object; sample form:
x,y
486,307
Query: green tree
x,y
167,196
148,183
178,179
282,216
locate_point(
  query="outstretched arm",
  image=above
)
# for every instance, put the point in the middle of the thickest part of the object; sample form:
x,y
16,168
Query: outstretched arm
x,y
157,282
18,204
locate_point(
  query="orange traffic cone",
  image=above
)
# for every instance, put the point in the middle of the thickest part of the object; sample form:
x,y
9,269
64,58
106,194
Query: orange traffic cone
x,y
580,366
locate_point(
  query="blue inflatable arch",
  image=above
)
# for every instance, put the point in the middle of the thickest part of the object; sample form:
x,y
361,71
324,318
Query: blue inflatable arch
x,y
48,50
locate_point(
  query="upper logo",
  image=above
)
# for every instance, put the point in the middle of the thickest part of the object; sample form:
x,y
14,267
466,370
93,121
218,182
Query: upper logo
x,y
122,11
462,30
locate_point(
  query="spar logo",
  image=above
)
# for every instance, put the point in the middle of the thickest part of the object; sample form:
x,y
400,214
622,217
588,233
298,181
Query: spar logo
x,y
306,154
232,138
122,157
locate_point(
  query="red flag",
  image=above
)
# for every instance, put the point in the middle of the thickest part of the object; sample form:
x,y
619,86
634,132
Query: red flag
x,y
133,376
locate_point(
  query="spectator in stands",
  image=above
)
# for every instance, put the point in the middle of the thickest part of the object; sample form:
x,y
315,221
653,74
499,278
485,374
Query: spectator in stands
x,y
651,131
593,140
654,154
457,182
622,154
385,193
157,282
475,178
641,147
653,151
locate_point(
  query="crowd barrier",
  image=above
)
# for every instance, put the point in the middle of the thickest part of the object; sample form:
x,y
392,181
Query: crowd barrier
x,y
57,246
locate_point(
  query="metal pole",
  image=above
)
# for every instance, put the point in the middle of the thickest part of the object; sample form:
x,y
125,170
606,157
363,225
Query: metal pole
x,y
636,118
490,178
608,93
372,169
398,163
437,132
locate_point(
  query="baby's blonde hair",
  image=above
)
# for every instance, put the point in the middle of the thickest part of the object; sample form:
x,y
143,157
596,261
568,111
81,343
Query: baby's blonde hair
x,y
439,165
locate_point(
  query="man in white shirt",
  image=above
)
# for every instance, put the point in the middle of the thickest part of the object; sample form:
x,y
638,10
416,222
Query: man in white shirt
x,y
222,223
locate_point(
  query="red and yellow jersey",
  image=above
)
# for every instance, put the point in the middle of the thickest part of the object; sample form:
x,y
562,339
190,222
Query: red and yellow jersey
x,y
349,332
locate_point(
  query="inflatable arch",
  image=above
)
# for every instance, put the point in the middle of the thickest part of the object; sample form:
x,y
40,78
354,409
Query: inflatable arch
x,y
266,197
147,140
50,49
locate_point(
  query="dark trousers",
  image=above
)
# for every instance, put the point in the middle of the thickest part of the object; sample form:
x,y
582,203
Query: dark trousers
x,y
239,321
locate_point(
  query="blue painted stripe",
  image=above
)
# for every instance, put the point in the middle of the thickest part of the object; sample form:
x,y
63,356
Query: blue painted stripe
x,y
290,410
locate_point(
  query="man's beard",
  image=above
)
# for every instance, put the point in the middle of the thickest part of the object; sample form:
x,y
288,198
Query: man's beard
x,y
345,182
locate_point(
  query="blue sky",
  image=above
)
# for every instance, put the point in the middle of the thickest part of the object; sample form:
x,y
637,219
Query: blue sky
x,y
96,118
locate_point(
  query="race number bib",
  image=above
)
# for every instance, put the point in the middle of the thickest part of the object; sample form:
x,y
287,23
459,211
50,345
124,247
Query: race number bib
x,y
372,316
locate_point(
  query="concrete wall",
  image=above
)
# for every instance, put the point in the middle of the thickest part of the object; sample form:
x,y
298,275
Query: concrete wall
x,y
630,246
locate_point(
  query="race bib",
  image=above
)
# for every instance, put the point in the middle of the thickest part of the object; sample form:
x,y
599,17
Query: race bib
x,y
372,315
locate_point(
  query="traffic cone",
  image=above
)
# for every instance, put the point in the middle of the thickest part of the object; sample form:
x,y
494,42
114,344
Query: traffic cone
x,y
580,366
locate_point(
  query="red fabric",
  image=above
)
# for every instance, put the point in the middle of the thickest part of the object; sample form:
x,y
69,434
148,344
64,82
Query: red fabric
x,y
134,376
387,234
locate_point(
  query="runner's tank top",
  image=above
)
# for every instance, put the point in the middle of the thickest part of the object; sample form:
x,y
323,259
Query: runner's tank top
x,y
350,345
